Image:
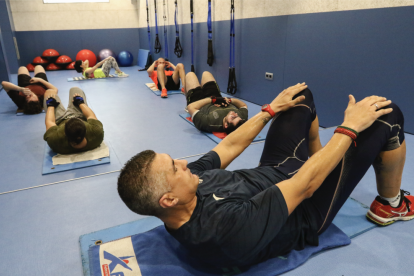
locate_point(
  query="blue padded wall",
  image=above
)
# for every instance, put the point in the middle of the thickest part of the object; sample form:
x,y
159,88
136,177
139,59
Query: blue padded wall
x,y
366,52
7,30
70,42
363,52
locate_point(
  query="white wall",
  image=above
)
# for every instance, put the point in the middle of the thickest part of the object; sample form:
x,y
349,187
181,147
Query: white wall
x,y
33,15
256,8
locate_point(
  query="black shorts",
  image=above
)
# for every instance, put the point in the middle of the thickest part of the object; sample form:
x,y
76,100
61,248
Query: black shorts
x,y
209,89
170,84
23,80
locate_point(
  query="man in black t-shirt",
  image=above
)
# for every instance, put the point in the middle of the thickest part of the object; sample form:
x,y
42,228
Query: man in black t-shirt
x,y
209,111
243,217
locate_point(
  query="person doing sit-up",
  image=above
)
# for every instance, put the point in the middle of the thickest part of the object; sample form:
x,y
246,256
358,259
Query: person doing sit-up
x,y
71,130
96,72
28,93
210,112
164,79
244,217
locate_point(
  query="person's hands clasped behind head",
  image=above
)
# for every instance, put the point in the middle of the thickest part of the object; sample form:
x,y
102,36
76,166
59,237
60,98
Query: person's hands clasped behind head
x,y
220,101
361,115
51,101
78,100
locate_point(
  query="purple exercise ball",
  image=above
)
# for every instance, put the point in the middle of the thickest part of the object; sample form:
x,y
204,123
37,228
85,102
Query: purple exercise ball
x,y
103,54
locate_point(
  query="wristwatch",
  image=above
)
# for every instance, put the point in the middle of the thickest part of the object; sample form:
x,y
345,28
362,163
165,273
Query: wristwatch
x,y
268,109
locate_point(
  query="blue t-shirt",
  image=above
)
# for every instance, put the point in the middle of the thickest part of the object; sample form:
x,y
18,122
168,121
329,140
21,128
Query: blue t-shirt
x,y
241,217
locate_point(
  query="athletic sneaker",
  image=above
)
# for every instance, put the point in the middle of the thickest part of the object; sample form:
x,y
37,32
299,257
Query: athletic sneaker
x,y
164,93
382,213
182,90
122,75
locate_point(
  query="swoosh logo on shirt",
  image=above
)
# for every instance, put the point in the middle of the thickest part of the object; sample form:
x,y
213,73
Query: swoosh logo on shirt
x,y
217,198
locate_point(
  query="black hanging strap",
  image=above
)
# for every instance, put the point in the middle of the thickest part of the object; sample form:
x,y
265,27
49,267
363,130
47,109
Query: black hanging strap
x,y
210,56
192,39
157,45
178,50
232,84
149,60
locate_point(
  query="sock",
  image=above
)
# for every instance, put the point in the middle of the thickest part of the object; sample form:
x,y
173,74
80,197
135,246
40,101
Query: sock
x,y
394,201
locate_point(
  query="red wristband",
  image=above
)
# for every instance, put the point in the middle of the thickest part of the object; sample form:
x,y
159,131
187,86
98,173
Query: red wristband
x,y
347,133
213,99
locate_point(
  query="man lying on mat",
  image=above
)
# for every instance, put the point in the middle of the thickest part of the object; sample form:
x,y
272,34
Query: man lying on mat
x,y
209,110
164,79
71,130
243,217
28,93
96,72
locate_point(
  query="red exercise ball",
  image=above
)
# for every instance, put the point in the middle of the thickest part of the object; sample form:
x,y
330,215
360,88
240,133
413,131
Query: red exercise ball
x,y
40,61
30,67
71,66
63,60
52,67
50,54
87,55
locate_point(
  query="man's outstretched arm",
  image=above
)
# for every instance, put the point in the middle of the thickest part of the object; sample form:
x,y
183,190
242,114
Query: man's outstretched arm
x,y
358,116
236,142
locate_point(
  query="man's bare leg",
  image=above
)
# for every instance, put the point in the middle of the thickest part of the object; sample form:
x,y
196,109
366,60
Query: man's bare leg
x,y
191,81
388,168
39,69
23,71
314,140
207,77
179,73
162,78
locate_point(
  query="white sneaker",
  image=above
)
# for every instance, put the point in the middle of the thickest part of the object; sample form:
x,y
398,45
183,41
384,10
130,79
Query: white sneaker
x,y
122,75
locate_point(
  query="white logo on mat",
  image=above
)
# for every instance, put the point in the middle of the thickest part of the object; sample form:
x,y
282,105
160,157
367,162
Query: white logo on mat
x,y
118,258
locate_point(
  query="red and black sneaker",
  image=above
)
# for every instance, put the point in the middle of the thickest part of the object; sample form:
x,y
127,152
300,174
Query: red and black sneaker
x,y
382,213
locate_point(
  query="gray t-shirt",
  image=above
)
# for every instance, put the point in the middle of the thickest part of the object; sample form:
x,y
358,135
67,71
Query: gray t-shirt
x,y
210,117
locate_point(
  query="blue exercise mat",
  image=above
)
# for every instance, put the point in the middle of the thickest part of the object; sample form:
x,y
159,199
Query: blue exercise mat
x,y
157,92
157,253
142,58
216,137
49,168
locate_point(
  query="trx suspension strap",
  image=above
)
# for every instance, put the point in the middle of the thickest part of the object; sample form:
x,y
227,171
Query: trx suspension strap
x,y
178,51
149,60
165,33
157,45
210,56
192,46
232,84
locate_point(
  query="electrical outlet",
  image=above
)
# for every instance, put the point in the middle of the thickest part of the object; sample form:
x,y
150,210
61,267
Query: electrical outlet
x,y
269,76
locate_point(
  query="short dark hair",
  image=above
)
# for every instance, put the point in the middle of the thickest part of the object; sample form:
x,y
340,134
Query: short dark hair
x,y
139,188
230,127
75,130
78,67
32,107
